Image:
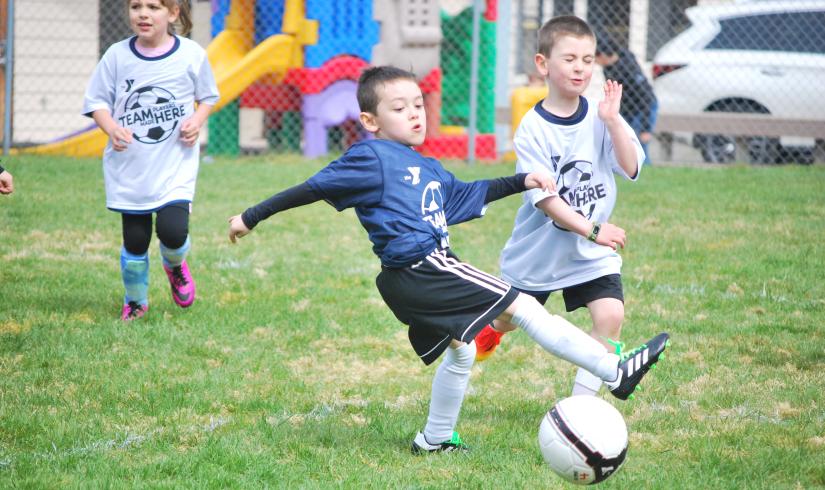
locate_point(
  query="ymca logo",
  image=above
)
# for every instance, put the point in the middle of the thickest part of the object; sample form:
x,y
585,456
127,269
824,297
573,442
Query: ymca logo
x,y
414,175
152,113
129,82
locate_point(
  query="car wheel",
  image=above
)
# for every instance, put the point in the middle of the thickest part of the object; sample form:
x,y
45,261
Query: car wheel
x,y
764,150
715,148
718,148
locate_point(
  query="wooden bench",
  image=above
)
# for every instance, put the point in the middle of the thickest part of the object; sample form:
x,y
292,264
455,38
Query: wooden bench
x,y
740,126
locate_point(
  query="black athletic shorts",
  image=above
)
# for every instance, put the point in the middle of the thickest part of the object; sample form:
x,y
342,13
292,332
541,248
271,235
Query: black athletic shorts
x,y
578,296
442,298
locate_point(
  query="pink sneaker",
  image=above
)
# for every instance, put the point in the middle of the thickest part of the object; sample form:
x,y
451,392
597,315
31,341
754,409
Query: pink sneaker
x,y
132,311
183,286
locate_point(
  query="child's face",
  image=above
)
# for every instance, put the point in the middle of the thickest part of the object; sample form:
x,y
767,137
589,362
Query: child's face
x,y
400,113
569,67
150,20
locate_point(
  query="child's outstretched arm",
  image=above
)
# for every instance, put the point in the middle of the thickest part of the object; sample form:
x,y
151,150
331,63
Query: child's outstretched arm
x,y
512,184
241,224
120,136
623,145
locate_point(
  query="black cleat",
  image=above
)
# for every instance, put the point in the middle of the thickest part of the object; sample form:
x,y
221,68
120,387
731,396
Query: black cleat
x,y
635,364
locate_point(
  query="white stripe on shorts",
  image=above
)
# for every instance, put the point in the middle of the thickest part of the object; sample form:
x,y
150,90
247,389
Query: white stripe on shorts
x,y
440,260
478,272
422,356
468,272
478,318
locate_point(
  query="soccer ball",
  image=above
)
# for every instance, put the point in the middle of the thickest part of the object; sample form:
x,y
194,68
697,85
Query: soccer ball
x,y
574,174
574,187
583,439
151,130
149,96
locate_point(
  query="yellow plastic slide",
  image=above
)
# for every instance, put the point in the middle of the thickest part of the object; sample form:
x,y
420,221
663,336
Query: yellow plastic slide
x,y
235,69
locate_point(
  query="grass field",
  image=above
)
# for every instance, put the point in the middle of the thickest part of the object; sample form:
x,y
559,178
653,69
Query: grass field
x,y
289,372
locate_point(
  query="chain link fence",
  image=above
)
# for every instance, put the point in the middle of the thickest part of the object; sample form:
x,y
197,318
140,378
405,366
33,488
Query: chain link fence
x,y
716,81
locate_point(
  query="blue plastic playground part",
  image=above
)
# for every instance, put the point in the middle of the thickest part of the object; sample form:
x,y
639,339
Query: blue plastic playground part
x,y
344,27
269,18
220,9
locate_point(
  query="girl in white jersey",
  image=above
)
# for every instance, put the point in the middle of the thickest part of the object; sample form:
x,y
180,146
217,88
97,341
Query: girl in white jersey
x,y
142,95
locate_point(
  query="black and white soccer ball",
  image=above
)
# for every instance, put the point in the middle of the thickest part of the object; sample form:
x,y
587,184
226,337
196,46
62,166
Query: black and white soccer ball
x,y
583,439
574,174
144,98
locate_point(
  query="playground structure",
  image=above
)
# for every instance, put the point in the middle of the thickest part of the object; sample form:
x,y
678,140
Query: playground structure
x,y
298,61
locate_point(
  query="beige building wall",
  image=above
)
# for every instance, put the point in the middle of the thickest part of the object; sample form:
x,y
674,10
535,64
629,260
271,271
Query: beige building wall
x,y
55,52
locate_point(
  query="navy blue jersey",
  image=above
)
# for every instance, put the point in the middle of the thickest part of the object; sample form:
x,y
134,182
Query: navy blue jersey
x,y
404,200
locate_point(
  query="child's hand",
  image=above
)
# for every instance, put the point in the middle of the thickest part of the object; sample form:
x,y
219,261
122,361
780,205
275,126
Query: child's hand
x,y
121,137
6,182
611,236
189,131
609,106
237,228
540,180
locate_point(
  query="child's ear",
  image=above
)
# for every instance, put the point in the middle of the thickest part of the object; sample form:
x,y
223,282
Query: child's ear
x,y
174,14
369,122
541,65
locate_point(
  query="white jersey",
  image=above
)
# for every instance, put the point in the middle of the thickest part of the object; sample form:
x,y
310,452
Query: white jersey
x,y
152,97
578,152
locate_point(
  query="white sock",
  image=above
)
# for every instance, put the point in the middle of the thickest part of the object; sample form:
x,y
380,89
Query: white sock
x,y
563,339
449,384
586,383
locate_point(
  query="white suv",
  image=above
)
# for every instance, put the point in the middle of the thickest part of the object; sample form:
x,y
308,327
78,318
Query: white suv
x,y
763,57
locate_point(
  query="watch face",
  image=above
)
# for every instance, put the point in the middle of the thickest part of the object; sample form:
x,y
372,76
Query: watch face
x,y
594,233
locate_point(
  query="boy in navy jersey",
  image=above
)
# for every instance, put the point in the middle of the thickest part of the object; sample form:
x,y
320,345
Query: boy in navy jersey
x,y
405,202
563,242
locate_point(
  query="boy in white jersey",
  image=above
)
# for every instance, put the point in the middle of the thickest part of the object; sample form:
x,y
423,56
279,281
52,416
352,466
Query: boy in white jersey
x,y
563,242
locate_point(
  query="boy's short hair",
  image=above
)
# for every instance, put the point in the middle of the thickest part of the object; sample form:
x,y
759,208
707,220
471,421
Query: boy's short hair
x,y
563,25
369,81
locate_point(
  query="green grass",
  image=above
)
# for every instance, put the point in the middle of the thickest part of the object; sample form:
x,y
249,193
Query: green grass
x,y
289,372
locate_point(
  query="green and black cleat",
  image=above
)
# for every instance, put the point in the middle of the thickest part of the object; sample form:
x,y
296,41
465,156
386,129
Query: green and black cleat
x,y
420,445
635,364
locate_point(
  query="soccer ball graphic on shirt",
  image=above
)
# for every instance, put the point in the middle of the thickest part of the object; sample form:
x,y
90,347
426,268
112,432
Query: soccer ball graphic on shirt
x,y
144,99
583,439
575,177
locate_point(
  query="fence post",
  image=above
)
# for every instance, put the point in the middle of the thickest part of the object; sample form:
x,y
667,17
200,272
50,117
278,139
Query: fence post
x,y
9,76
471,130
502,85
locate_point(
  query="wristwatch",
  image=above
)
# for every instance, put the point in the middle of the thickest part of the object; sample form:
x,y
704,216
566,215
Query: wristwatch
x,y
594,232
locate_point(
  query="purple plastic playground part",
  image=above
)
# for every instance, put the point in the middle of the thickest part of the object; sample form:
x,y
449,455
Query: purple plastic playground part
x,y
336,104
